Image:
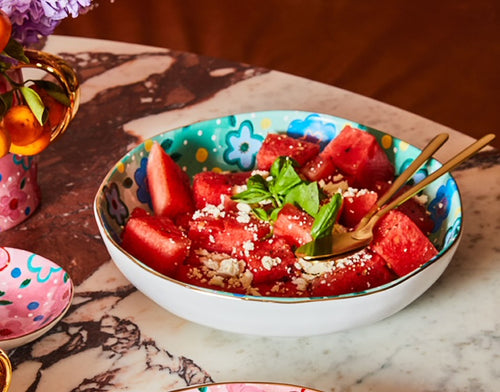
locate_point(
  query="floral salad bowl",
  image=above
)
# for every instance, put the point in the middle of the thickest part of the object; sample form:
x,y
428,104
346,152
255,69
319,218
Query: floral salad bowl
x,y
35,293
231,143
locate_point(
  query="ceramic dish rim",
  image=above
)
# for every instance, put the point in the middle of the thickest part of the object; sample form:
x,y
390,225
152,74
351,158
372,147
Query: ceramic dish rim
x,y
52,323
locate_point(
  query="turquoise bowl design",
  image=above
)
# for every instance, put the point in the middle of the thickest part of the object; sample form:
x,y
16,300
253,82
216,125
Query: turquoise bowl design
x,y
231,143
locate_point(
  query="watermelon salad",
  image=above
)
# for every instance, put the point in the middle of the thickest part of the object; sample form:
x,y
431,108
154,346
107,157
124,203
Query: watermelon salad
x,y
237,231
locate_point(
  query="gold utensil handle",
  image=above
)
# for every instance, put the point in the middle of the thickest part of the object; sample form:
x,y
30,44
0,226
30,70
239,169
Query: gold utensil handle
x,y
425,154
65,76
5,372
445,168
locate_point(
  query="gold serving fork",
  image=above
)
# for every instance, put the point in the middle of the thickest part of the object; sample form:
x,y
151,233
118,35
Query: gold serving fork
x,y
342,244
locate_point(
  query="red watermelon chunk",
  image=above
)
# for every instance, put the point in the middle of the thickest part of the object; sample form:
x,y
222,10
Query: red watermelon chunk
x,y
277,145
282,288
358,155
413,208
203,269
321,167
356,204
269,260
168,184
401,243
216,188
354,274
293,225
225,231
156,241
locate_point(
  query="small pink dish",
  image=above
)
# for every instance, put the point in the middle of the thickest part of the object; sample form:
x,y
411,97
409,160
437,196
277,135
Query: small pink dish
x,y
35,293
246,387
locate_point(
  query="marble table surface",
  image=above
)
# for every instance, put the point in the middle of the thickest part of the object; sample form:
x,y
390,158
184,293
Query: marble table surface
x,y
115,339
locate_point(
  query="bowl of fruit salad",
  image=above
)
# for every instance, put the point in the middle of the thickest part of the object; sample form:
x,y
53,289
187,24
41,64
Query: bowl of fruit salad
x,y
205,220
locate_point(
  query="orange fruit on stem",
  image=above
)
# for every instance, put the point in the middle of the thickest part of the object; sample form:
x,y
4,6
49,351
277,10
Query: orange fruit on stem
x,y
56,110
22,125
34,148
5,30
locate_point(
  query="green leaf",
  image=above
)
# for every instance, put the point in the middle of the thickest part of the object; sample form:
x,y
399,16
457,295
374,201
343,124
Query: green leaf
x,y
286,179
325,220
6,100
16,51
54,90
261,213
306,196
25,283
35,103
256,191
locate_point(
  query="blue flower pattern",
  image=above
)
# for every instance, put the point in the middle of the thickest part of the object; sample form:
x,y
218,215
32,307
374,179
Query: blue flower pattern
x,y
243,146
439,207
314,128
452,233
141,178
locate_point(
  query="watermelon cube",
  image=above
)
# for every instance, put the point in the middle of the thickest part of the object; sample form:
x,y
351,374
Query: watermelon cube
x,y
225,231
203,269
321,167
168,185
358,155
293,225
277,145
356,204
399,241
156,241
269,260
353,274
216,188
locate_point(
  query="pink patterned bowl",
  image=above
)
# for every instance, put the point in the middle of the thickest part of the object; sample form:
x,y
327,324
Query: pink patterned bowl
x,y
246,387
35,293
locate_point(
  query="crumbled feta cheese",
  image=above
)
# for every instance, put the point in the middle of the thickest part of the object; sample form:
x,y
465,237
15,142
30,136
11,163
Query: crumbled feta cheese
x,y
269,262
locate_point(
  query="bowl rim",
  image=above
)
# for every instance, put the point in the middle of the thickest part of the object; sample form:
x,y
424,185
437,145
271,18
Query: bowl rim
x,y
450,247
13,341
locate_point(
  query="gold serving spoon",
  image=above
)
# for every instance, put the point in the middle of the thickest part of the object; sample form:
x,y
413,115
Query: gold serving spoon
x,y
342,244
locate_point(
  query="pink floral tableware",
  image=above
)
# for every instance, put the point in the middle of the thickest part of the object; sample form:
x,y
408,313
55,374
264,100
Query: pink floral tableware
x,y
246,387
35,293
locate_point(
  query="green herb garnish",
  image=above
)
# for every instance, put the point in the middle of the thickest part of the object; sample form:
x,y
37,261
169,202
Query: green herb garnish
x,y
284,185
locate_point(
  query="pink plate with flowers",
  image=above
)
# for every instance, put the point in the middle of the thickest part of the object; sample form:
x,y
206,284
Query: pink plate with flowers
x,y
247,387
35,293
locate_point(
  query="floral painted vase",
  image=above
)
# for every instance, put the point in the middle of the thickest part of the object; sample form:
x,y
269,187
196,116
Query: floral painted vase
x,y
19,190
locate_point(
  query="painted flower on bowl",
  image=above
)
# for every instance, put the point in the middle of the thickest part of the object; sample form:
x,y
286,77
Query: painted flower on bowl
x,y
243,145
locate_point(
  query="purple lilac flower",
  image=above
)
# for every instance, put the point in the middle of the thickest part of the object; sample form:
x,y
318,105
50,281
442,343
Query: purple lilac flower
x,y
33,19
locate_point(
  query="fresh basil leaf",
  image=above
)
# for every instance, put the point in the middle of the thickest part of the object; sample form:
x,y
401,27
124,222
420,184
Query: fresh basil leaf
x,y
277,166
257,191
252,196
35,103
286,180
325,220
274,214
306,196
261,213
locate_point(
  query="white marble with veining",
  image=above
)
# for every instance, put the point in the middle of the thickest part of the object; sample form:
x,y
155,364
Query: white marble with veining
x,y
448,340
